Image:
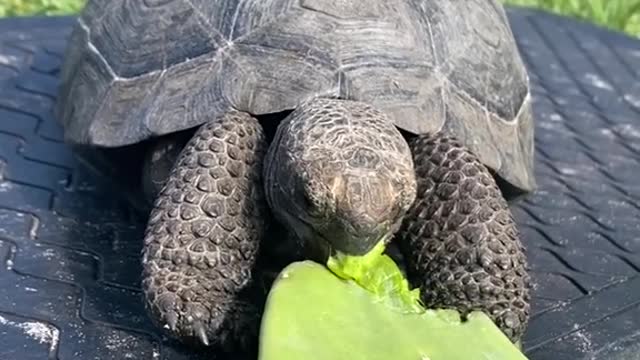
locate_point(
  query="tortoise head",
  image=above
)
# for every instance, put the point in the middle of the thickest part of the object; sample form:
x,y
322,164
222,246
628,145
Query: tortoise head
x,y
339,175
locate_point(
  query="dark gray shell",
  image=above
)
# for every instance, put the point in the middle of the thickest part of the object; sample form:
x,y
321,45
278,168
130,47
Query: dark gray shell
x,y
138,69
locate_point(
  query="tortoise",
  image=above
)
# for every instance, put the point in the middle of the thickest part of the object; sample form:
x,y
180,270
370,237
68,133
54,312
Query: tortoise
x,y
313,126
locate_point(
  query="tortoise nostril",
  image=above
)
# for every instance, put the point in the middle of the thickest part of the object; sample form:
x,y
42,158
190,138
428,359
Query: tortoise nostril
x,y
368,196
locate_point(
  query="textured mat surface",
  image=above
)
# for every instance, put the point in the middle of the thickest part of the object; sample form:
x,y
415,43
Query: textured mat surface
x,y
69,247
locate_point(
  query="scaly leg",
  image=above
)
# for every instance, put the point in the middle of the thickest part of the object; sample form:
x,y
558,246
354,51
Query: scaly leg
x,y
204,235
459,239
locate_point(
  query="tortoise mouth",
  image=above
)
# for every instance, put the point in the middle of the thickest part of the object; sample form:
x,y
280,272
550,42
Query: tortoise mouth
x,y
337,238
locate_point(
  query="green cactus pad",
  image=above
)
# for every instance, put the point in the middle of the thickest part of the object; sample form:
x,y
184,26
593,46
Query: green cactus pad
x,y
365,310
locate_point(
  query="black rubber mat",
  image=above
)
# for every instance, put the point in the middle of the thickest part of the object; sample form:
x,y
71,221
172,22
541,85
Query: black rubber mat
x,y
69,245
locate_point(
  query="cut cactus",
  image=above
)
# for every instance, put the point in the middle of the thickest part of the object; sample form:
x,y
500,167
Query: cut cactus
x,y
350,314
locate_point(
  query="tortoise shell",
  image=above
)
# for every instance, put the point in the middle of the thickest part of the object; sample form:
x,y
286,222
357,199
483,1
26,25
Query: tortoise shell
x,y
141,69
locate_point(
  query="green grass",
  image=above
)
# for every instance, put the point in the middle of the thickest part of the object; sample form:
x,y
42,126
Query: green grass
x,y
621,15
40,7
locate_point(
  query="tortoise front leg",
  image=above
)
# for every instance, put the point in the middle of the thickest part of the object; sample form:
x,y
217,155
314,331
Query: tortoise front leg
x,y
204,234
459,239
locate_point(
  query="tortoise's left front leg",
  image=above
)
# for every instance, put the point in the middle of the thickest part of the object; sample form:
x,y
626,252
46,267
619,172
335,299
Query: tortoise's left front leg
x,y
459,239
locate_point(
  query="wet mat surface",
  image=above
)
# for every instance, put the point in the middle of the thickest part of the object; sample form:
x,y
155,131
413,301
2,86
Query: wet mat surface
x,y
69,245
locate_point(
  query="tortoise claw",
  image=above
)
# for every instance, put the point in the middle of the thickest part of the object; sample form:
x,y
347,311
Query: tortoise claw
x,y
198,328
172,320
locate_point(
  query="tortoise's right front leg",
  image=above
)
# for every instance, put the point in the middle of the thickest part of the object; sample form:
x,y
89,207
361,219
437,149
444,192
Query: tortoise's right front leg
x,y
203,237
